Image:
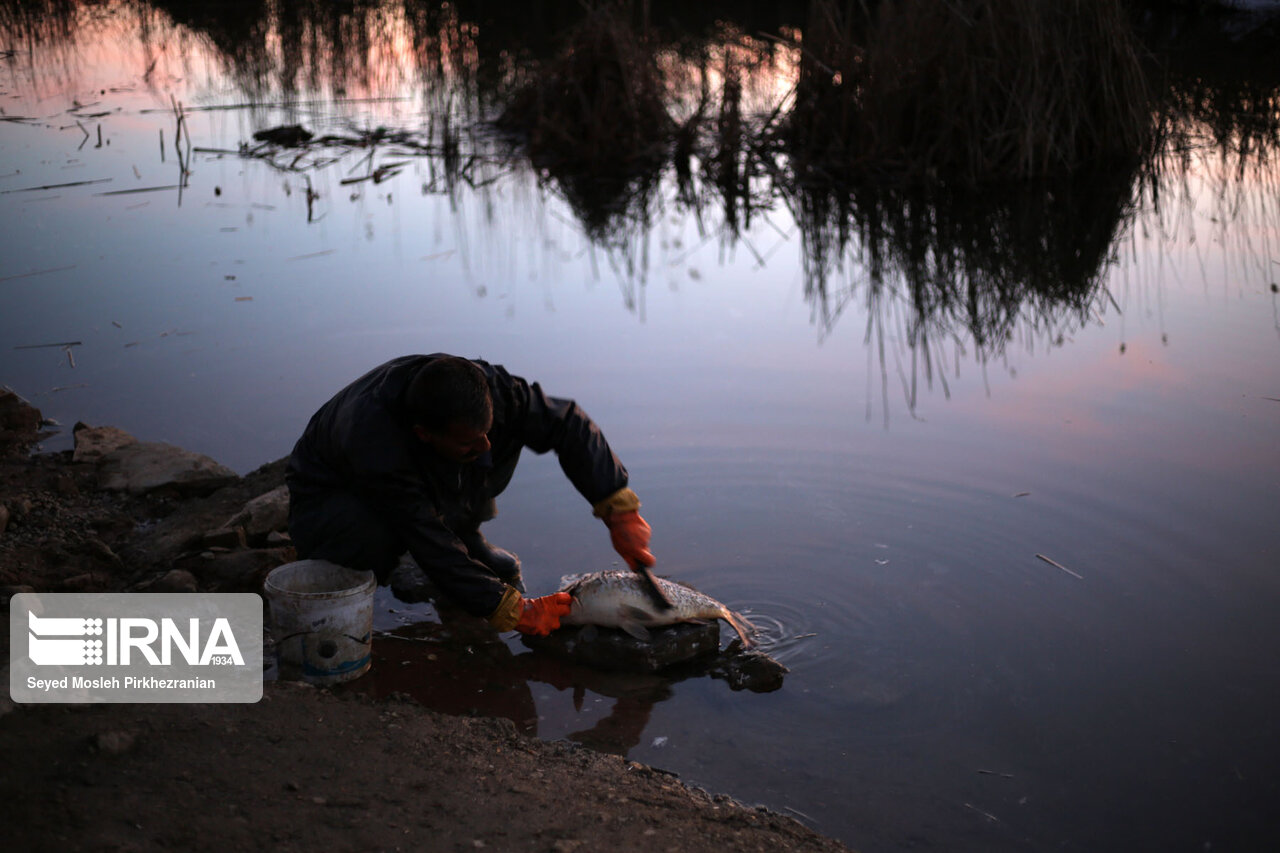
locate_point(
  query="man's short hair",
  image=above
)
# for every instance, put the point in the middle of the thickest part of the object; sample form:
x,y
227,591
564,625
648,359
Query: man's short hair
x,y
448,390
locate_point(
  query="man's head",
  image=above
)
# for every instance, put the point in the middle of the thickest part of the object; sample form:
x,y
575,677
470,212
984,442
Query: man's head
x,y
451,408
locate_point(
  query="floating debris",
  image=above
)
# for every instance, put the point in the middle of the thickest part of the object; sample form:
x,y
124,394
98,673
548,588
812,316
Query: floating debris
x,y
140,190
1058,565
37,272
57,186
988,815
289,135
66,344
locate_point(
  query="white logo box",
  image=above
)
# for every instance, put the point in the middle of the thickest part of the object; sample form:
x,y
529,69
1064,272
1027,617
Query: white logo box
x,y
135,647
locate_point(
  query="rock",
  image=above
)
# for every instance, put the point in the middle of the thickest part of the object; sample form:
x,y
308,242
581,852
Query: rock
x,y
238,571
275,539
410,583
266,513
115,742
286,135
750,670
609,648
8,592
83,582
65,485
4,519
93,443
175,580
102,551
227,537
144,466
19,421
21,507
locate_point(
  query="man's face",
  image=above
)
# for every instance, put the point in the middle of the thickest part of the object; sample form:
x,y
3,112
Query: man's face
x,y
458,443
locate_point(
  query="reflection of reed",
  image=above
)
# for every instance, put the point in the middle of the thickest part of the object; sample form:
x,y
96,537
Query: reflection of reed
x,y
970,163
1220,105
967,90
28,23
963,266
1229,86
910,124
981,260
596,121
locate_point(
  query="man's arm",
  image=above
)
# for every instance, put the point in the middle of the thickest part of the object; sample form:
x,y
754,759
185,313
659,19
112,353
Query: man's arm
x,y
548,423
553,423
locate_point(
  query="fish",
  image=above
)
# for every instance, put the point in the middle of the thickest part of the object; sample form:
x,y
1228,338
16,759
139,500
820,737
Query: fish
x,y
621,599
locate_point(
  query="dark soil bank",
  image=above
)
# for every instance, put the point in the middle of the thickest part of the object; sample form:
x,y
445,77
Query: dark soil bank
x,y
303,769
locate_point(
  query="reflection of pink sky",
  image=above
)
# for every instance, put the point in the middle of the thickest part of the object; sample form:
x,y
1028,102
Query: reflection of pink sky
x,y
1136,407
141,50
766,71
115,51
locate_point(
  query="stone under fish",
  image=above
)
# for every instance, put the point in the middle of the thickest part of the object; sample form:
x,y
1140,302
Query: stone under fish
x,y
620,599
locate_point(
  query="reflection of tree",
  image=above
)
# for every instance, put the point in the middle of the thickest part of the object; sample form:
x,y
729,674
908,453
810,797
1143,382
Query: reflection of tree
x,y
981,259
952,155
984,264
27,23
882,182
1220,106
595,120
1224,82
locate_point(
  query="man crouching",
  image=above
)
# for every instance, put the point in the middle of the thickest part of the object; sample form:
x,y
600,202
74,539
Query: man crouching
x,y
410,456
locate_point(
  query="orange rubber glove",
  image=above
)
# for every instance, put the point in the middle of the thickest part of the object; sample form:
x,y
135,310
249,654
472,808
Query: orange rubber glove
x,y
630,534
541,616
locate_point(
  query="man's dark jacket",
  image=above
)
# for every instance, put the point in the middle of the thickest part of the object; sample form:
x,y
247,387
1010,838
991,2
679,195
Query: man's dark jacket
x,y
362,443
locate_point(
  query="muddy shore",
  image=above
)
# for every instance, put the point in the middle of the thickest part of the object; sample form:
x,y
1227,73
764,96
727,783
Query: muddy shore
x,y
304,768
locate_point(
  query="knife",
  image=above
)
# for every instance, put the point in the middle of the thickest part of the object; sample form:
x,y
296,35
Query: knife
x,y
655,592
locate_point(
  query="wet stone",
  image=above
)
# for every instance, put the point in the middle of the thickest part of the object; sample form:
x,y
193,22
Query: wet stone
x,y
612,649
750,670
265,514
409,583
93,443
19,421
237,571
145,466
226,537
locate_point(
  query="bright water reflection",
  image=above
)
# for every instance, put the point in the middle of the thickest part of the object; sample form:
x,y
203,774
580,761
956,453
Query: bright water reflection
x,y
855,462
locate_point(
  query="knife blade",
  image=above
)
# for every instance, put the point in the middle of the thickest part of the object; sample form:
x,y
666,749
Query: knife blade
x,y
655,592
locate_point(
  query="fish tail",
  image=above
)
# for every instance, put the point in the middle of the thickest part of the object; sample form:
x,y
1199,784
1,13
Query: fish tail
x,y
746,631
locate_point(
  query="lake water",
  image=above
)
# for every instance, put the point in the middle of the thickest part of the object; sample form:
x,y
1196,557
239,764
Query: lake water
x,y
874,502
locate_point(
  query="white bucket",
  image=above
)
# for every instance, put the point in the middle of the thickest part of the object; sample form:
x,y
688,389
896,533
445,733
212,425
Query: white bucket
x,y
321,620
